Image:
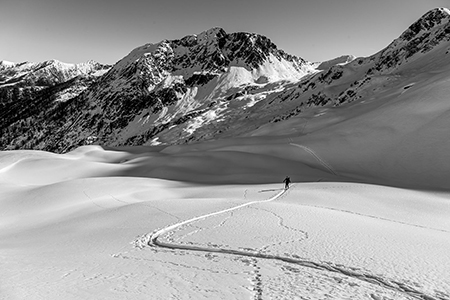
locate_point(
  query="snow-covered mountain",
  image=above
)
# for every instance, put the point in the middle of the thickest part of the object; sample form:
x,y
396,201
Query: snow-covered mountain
x,y
423,47
341,60
31,91
163,86
172,79
216,84
429,34
45,73
200,58
54,79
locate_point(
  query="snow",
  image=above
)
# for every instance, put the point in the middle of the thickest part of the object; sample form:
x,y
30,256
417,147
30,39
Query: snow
x,y
341,60
155,142
8,84
169,81
99,73
208,35
367,217
70,93
209,221
270,72
198,122
275,70
6,63
138,52
52,70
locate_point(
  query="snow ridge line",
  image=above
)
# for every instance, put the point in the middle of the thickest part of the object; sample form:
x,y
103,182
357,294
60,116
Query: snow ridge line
x,y
10,166
320,160
152,240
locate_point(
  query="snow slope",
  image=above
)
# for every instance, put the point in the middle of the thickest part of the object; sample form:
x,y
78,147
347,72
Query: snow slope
x,y
83,225
341,60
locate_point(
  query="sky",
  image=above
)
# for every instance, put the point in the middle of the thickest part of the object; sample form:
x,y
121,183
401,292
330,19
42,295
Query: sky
x,y
105,31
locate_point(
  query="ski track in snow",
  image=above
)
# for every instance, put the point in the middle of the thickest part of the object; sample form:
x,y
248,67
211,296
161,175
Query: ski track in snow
x,y
152,241
303,234
320,160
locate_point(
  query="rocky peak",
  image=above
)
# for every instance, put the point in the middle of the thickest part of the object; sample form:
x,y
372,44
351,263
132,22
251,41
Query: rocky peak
x,y
251,48
424,35
210,53
211,35
216,49
429,21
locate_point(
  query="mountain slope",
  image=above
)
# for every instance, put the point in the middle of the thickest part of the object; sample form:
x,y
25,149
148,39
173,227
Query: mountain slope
x,y
216,85
423,47
171,82
165,85
387,126
31,93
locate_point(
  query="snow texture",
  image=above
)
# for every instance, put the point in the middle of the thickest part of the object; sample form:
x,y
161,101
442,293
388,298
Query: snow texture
x,y
367,215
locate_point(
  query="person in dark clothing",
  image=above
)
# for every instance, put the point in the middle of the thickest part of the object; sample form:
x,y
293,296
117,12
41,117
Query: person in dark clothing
x,y
286,181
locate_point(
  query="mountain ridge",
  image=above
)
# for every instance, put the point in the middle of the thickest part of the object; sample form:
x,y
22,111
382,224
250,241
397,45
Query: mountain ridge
x,y
47,73
216,84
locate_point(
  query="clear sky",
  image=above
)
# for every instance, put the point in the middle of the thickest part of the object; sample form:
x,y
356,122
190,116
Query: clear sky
x,y
107,30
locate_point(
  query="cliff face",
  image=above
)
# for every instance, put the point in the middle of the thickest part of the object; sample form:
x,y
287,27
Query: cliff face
x,y
197,59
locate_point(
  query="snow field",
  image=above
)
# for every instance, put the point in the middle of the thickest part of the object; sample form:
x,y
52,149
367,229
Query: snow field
x,y
385,249
71,228
69,223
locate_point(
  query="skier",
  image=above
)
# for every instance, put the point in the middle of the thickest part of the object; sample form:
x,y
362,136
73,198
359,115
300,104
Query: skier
x,y
287,181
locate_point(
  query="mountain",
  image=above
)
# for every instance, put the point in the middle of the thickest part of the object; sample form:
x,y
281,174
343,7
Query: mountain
x,y
341,60
215,85
195,78
365,141
45,74
169,83
61,81
30,92
424,46
429,33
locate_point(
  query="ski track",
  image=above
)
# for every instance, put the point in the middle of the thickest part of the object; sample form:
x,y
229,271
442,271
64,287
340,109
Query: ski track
x,y
151,240
93,202
199,229
303,234
320,160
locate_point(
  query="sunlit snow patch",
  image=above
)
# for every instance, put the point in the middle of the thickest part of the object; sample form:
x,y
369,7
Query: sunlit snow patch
x,y
155,142
199,121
